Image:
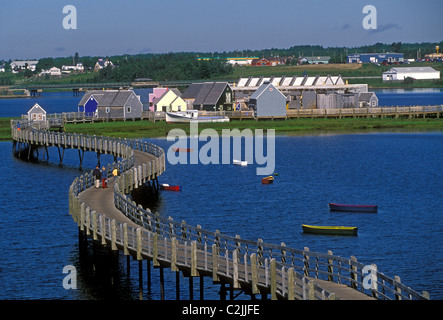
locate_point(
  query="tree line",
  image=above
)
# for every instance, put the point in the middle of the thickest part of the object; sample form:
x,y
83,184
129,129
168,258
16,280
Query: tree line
x,y
161,67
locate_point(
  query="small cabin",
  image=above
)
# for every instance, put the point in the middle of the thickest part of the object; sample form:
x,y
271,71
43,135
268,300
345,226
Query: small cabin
x,y
37,113
268,101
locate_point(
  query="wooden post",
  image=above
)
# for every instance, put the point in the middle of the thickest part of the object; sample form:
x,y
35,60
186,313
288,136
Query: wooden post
x,y
174,254
194,272
94,225
397,289
215,277
330,267
311,291
155,251
125,239
306,261
235,283
113,235
139,243
353,272
291,284
273,279
254,274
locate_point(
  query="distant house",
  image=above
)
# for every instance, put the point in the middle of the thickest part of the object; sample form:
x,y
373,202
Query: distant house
x,y
143,95
100,64
418,73
37,113
268,101
119,104
88,103
169,101
77,68
111,104
368,99
374,57
209,96
240,61
260,62
2,67
316,60
17,66
54,71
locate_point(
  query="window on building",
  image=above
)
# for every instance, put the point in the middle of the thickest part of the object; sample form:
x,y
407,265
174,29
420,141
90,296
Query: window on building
x,y
108,109
129,109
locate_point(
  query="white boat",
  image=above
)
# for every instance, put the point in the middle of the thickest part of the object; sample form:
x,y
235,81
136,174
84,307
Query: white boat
x,y
240,163
192,116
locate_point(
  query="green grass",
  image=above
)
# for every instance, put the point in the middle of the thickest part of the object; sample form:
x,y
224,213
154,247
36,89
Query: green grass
x,y
143,129
146,129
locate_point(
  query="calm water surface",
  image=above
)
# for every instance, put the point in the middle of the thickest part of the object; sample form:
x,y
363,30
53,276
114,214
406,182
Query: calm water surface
x,y
402,173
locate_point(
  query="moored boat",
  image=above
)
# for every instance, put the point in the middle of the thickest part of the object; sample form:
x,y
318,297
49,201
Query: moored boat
x,y
353,207
267,180
192,116
330,230
165,186
240,163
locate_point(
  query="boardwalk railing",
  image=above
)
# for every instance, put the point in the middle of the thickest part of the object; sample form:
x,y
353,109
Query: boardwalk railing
x,y
254,266
394,111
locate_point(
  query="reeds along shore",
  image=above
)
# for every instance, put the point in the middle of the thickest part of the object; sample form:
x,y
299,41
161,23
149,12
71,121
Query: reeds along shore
x,y
160,129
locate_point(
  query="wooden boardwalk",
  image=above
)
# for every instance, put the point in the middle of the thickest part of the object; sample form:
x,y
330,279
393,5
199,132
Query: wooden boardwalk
x,y
110,217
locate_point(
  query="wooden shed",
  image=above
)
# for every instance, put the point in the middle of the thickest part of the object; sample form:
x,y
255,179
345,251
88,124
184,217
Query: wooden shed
x,y
37,113
268,101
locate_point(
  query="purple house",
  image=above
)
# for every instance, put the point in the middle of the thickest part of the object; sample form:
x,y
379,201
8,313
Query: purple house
x,y
155,96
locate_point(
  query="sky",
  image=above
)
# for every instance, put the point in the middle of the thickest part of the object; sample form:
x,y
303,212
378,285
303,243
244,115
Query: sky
x,y
32,29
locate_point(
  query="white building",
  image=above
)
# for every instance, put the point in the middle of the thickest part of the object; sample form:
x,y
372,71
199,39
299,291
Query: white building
x,y
78,68
17,66
417,73
37,113
54,71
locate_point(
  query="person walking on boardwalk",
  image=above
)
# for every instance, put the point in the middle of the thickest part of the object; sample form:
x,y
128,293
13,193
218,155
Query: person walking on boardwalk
x,y
115,173
96,174
104,177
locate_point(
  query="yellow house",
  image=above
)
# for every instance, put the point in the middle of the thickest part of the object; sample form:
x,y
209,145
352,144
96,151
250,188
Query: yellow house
x,y
170,101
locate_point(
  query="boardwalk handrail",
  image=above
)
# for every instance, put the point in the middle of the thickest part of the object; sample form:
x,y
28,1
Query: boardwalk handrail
x,y
395,111
284,272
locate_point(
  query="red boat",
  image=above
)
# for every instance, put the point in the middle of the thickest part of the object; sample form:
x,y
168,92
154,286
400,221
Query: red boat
x,y
267,180
182,149
353,207
170,188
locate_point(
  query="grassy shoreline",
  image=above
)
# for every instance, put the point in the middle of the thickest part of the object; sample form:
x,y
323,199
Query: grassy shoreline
x,y
144,128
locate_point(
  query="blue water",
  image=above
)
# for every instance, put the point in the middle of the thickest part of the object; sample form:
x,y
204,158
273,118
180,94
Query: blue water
x,y
401,172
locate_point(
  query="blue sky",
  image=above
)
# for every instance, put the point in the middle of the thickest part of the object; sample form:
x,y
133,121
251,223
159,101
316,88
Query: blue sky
x,y
34,29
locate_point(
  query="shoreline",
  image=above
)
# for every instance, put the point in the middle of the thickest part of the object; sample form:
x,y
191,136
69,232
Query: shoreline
x,y
141,129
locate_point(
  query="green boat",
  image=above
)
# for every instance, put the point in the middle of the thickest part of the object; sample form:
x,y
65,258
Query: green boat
x,y
332,230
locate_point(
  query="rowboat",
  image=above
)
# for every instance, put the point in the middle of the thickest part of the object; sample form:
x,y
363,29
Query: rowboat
x,y
331,230
192,116
165,186
240,163
353,207
267,180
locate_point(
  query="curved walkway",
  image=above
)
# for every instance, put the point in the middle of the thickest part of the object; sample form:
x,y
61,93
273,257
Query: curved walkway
x,y
253,266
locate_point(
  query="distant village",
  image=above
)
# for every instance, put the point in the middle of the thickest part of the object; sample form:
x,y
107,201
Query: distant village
x,y
265,96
